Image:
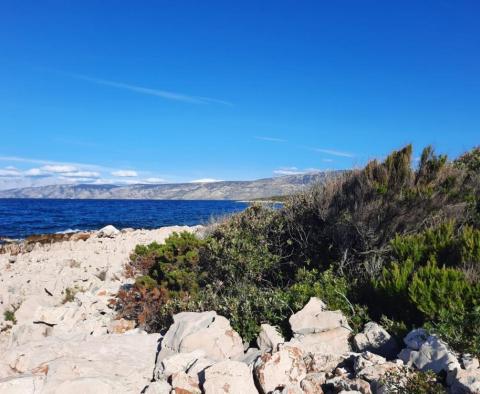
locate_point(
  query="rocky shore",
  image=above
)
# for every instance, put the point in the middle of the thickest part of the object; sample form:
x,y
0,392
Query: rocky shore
x,y
59,334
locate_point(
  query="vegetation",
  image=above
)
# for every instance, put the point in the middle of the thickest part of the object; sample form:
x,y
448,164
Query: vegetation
x,y
390,242
10,316
69,294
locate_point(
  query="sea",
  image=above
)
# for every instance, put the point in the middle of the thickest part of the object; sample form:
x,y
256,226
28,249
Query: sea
x,y
20,218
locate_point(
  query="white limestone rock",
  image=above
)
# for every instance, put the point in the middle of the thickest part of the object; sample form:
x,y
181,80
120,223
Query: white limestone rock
x,y
374,338
229,377
159,387
108,232
269,338
205,331
179,362
280,369
432,355
416,338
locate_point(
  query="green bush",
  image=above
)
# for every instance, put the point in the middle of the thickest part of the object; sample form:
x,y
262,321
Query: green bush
x,y
436,291
10,316
403,241
412,383
459,330
146,282
176,266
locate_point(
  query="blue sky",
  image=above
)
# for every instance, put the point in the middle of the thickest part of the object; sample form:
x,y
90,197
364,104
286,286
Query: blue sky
x,y
174,91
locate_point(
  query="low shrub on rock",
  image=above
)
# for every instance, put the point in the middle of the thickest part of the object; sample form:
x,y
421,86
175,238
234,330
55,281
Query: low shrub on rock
x,y
399,241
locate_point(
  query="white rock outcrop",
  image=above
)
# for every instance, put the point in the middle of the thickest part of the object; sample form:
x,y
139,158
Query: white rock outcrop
x,y
318,330
374,338
280,369
432,355
269,338
229,377
201,331
66,338
108,232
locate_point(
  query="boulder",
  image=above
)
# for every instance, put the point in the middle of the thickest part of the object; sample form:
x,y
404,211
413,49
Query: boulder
x,y
160,387
280,369
373,368
313,382
322,362
197,369
205,331
120,326
464,381
183,383
331,342
356,385
109,363
229,377
269,338
179,362
432,355
315,318
317,330
374,338
108,232
416,338
22,384
469,362
250,356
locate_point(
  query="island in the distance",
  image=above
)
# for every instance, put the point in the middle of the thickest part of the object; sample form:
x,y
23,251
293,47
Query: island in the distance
x,y
224,190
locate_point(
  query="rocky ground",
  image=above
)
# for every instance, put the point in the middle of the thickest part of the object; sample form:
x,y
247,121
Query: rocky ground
x,y
65,338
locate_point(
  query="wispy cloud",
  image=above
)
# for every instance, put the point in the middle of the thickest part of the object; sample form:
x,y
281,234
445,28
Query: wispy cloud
x,y
206,180
165,94
29,160
294,171
125,173
287,171
334,152
154,180
59,168
9,172
81,174
270,139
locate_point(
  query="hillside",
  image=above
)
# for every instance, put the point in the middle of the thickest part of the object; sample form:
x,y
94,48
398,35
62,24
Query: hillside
x,y
227,190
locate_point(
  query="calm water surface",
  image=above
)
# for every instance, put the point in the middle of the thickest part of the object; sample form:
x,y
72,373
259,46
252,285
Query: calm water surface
x,y
22,217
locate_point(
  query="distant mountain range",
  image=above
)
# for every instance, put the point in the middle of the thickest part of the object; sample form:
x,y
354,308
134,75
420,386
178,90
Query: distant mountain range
x,y
225,190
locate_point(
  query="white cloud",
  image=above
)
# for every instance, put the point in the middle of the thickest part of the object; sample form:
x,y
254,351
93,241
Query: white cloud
x,y
81,174
152,92
334,152
288,171
125,173
35,172
9,172
206,180
60,169
154,180
295,171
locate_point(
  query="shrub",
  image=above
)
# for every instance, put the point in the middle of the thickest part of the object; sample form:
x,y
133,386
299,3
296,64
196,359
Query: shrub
x,y
412,382
175,266
69,294
459,330
10,316
438,291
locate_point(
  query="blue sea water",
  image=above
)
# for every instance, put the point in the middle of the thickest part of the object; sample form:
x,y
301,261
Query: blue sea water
x,y
20,218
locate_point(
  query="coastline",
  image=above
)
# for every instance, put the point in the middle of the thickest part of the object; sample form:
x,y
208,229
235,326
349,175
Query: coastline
x,y
55,301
